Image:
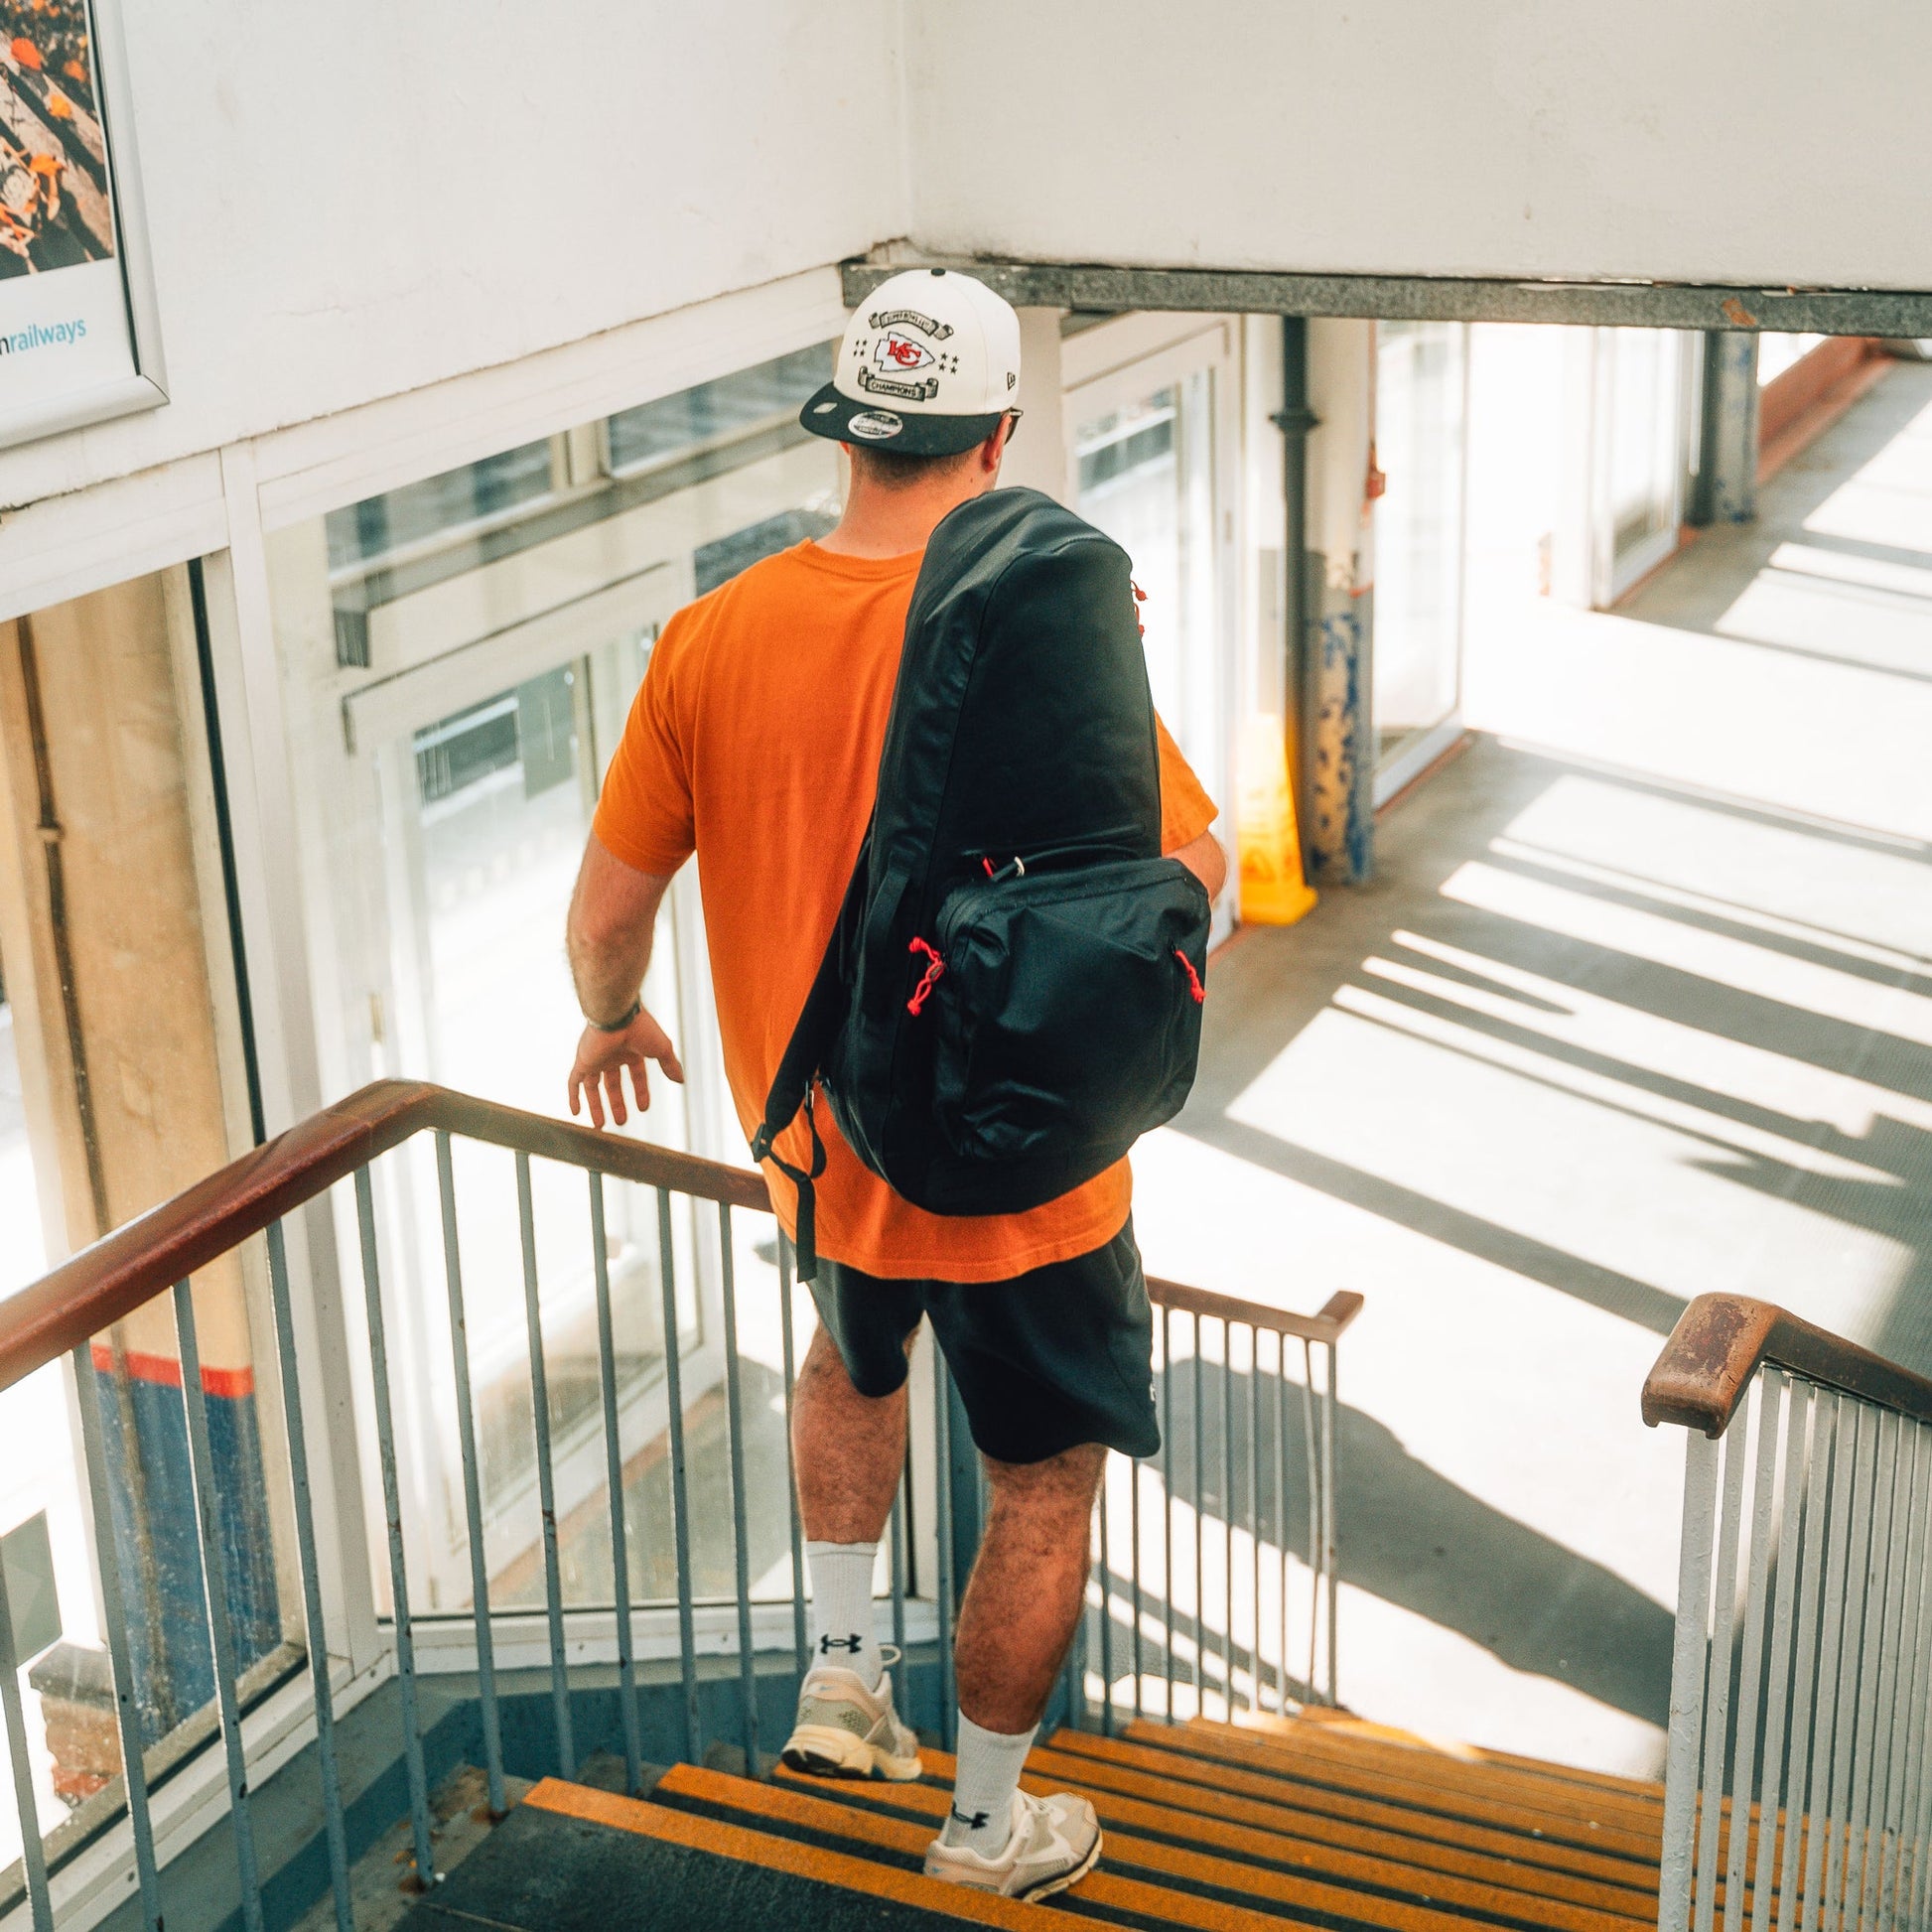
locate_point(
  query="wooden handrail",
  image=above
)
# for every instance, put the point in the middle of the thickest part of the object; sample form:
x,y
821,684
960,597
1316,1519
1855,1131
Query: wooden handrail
x,y
1337,1313
106,1282
1719,1343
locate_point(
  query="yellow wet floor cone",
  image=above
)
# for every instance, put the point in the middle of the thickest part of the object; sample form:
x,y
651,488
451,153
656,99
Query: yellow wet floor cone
x,y
1273,890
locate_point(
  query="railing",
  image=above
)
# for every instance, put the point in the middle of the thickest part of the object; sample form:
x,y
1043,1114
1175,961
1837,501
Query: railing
x,y
1210,1387
1798,1788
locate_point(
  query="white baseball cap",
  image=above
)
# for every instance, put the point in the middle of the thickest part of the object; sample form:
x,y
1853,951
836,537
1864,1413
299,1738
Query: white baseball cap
x,y
928,365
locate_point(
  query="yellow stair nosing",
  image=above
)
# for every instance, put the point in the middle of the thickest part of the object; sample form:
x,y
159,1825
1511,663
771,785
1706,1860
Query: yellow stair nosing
x,y
774,1854
1100,1887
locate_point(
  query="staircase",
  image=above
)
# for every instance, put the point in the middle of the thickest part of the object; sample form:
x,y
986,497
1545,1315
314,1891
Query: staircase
x,y
1207,1826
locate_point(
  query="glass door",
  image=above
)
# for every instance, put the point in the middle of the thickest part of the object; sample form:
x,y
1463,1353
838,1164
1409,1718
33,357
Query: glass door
x,y
1643,392
1420,409
1148,444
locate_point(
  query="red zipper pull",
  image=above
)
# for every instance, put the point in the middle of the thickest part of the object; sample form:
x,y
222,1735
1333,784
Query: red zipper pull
x,y
935,967
1187,966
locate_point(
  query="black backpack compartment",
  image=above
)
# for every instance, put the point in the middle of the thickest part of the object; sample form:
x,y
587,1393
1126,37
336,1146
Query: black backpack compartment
x,y
1068,1015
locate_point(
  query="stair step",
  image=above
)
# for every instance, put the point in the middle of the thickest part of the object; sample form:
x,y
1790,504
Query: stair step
x,y
897,1897
1307,1881
1461,1793
1109,1894
1348,1726
1514,1800
1198,1778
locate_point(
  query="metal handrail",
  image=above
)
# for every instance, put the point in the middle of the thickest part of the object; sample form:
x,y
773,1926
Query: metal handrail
x,y
1719,1343
161,1253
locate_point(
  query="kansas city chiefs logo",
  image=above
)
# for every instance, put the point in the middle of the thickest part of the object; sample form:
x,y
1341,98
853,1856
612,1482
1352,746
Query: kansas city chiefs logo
x,y
893,350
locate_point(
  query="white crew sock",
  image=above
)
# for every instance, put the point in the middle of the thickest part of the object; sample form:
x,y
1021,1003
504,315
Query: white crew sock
x,y
988,1774
842,1608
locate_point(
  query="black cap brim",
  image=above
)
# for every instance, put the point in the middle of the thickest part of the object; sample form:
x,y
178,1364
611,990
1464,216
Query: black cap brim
x,y
870,425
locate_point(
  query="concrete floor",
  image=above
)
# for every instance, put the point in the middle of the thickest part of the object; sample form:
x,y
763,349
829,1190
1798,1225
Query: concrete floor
x,y
1639,1006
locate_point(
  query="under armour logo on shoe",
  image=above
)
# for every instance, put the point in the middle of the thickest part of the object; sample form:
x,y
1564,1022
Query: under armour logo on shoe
x,y
854,1644
974,1822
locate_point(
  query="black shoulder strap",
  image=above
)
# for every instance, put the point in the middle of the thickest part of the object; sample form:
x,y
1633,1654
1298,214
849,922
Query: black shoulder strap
x,y
791,1085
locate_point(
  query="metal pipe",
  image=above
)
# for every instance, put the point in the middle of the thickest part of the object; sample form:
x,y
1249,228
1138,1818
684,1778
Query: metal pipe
x,y
492,1728
1859,1561
620,1600
897,1521
1830,1639
385,1438
799,1639
1316,1542
680,1494
1875,1759
1295,420
214,1592
1253,1386
32,1852
1918,1892
1106,1610
1904,1681
127,1714
747,1683
1134,1581
334,1830
1717,1696
1330,1540
1918,1708
1228,1515
1200,1566
1280,1516
553,1590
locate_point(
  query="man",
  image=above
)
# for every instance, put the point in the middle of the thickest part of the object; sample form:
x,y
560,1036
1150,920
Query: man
x,y
754,741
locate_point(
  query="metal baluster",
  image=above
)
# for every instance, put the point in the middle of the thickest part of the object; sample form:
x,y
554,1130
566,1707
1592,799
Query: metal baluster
x,y
1911,1613
335,1829
798,1638
32,1852
1773,1787
1316,1539
620,1605
1330,1545
1810,1582
1918,1894
1918,1708
1873,1758
214,1581
1871,1446
1687,1682
1106,1609
1227,1514
1717,1696
115,1615
553,1589
942,1525
1281,1512
1167,1493
385,1440
747,1683
492,1728
1254,1510
1200,1566
1134,1582
898,1520
680,1495
1770,1409
1844,1486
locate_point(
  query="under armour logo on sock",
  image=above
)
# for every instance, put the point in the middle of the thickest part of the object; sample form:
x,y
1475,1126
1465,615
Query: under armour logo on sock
x,y
854,1644
974,1822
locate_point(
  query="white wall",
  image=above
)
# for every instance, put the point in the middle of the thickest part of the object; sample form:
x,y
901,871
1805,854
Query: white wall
x,y
1721,141
350,201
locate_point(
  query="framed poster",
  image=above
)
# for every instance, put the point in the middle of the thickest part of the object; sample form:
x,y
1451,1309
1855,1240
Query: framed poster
x,y
77,332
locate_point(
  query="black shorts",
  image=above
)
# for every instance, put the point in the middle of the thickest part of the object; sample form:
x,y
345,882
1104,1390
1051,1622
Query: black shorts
x,y
1051,1358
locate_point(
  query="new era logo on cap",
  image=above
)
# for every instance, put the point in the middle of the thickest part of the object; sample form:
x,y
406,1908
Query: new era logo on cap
x,y
928,365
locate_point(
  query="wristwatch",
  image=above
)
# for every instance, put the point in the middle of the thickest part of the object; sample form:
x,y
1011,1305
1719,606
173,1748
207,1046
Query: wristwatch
x,y
623,1020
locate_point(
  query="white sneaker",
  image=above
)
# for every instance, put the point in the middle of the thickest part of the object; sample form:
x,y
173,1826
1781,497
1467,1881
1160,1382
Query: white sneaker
x,y
1055,1843
843,1730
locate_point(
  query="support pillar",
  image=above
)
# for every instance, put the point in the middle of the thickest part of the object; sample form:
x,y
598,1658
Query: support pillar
x,y
1339,728
1727,480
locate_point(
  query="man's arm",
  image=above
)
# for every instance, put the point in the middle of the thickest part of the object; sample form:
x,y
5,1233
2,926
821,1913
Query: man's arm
x,y
612,919
1204,858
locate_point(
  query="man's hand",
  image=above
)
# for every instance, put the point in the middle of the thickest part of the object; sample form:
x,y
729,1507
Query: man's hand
x,y
597,1075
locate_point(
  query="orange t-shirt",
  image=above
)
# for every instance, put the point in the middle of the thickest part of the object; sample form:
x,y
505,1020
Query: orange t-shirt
x,y
754,741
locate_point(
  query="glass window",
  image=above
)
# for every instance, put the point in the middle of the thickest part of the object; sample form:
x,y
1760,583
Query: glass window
x,y
451,711
772,393
1420,403
379,526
